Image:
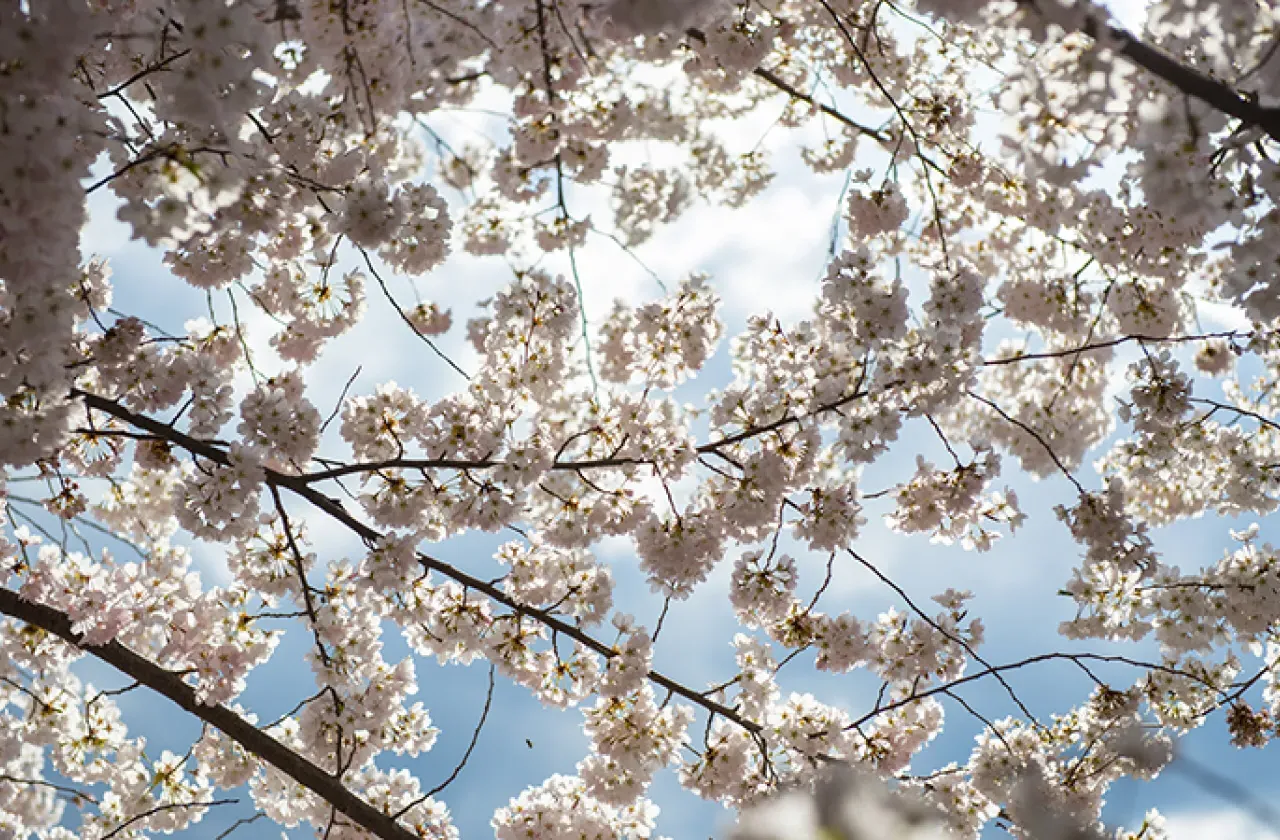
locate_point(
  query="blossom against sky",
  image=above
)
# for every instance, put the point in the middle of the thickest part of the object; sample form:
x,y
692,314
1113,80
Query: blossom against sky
x,y
767,258
942,371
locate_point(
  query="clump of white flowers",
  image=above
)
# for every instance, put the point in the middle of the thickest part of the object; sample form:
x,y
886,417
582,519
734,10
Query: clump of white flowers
x,y
844,803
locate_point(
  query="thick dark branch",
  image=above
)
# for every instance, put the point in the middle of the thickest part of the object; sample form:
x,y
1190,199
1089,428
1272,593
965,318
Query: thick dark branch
x,y
299,486
1190,81
254,740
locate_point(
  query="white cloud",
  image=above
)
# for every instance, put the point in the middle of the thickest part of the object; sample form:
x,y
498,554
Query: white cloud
x,y
1215,825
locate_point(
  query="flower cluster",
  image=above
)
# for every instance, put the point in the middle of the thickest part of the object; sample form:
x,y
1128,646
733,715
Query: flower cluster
x,y
569,580
561,808
662,343
951,504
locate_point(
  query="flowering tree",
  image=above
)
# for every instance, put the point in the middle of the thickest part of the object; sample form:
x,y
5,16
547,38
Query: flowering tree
x,y
1064,200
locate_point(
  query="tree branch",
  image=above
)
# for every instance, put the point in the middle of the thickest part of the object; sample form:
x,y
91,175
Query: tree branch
x,y
1190,81
573,466
299,486
172,686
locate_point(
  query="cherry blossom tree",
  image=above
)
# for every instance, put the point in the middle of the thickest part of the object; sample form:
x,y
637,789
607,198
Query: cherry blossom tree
x,y
1058,250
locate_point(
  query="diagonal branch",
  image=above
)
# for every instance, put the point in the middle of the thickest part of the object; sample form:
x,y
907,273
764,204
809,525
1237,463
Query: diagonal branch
x,y
172,686
795,93
1190,81
790,90
371,536
885,579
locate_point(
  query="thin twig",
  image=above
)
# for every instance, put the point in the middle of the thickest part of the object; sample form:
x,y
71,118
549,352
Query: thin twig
x,y
466,756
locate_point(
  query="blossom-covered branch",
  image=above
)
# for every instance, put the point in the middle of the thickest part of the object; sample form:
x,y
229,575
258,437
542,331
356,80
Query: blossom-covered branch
x,y
330,506
1248,109
172,686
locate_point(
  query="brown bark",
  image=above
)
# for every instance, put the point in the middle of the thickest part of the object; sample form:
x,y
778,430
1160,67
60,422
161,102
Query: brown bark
x,y
254,740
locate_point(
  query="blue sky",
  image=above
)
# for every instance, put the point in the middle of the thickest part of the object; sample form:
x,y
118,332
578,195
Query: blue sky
x,y
769,256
